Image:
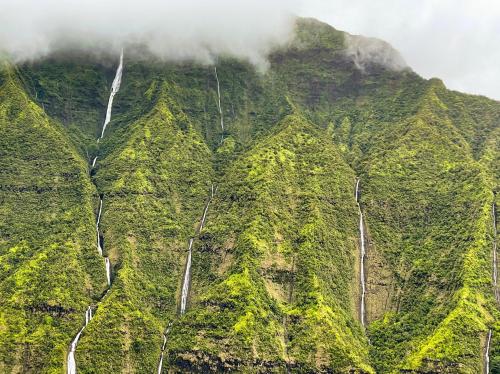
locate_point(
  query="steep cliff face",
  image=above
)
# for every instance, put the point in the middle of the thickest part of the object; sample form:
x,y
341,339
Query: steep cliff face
x,y
49,267
274,274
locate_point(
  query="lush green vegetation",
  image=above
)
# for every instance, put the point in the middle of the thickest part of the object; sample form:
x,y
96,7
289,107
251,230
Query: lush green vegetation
x,y
50,269
275,283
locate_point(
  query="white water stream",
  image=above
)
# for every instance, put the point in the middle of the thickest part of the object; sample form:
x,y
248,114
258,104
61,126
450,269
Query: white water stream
x,y
74,343
487,354
115,87
99,246
88,314
219,106
108,270
187,278
160,364
187,274
362,257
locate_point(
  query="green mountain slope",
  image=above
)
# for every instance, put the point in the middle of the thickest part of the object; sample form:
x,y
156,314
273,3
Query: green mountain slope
x,y
275,277
50,269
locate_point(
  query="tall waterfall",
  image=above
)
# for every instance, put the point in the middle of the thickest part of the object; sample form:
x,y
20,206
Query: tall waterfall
x,y
362,257
115,87
219,106
71,366
487,353
495,255
187,274
74,343
187,278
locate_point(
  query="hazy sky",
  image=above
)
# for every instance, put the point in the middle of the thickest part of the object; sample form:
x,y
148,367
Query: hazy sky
x,y
455,40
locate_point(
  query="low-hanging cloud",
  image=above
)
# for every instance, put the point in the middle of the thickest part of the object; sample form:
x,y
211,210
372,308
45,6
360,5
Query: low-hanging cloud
x,y
170,29
364,51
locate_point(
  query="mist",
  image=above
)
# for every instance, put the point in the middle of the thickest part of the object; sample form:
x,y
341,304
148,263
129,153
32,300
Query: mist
x,y
173,30
455,40
364,51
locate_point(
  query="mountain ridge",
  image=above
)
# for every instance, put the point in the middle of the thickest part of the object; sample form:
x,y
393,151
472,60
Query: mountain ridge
x,y
275,274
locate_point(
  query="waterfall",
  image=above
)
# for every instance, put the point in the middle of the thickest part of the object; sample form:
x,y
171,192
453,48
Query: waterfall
x,y
487,353
115,87
203,218
99,246
187,273
108,270
187,277
495,255
74,343
160,364
219,103
362,257
88,314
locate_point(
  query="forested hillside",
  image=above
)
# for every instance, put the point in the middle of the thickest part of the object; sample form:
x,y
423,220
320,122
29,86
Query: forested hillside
x,y
329,214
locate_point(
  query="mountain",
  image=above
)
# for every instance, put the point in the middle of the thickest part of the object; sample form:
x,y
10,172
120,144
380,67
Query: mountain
x,y
335,213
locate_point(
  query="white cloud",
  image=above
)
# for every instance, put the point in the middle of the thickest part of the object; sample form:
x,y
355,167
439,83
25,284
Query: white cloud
x,y
456,40
172,29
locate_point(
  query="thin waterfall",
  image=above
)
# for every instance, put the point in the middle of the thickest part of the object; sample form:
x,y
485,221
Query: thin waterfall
x,y
108,270
99,246
187,278
487,353
165,335
74,343
219,106
115,87
88,314
203,218
495,255
187,274
362,256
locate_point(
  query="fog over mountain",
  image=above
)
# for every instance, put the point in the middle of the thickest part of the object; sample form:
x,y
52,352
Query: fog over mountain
x,y
452,40
455,40
170,29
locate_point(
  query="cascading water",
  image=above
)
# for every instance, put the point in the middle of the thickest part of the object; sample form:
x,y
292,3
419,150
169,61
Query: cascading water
x,y
74,343
187,275
115,87
71,366
186,281
99,246
362,257
108,270
107,263
88,315
219,106
487,353
160,364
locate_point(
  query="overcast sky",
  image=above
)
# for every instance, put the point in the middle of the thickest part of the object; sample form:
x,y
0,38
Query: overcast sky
x,y
455,40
